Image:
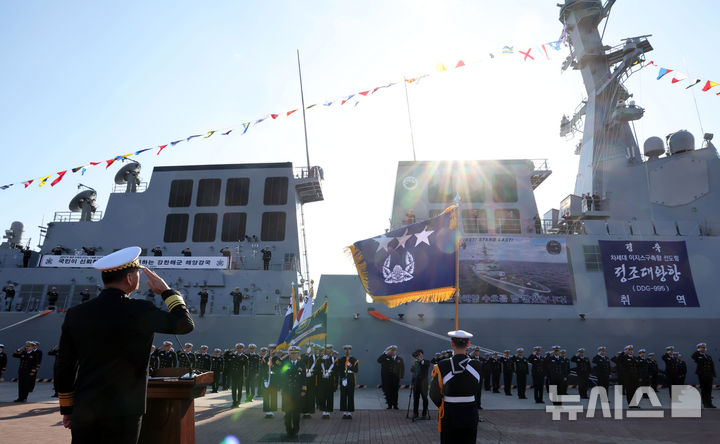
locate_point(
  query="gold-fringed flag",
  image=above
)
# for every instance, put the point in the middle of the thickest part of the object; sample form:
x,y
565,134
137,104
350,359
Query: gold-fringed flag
x,y
416,262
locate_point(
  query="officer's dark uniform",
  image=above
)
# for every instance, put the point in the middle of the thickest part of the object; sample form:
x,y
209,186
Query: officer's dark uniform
x,y
522,368
154,361
495,369
203,361
582,369
420,370
203,302
84,296
293,391
217,366
681,371
38,355
236,367
628,369
168,359
508,368
55,351
538,374
643,370
52,298
236,297
455,385
106,393
555,368
392,370
477,357
705,372
9,296
652,372
565,366
26,373
186,359
485,375
602,370
326,383
269,366
252,377
345,370
308,403
266,256
671,370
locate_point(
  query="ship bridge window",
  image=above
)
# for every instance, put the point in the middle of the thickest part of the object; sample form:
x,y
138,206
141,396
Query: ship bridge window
x,y
472,189
208,192
180,193
474,221
507,221
204,227
233,227
237,191
440,192
504,188
593,260
276,191
273,226
176,226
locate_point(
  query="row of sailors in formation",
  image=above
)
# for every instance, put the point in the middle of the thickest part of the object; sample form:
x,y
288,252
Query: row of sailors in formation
x,y
260,373
553,368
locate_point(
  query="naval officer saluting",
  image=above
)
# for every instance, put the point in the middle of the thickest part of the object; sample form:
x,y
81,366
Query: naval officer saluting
x,y
102,396
455,384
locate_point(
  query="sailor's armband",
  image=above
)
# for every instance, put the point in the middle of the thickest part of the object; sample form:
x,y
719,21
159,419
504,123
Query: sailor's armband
x,y
66,402
172,299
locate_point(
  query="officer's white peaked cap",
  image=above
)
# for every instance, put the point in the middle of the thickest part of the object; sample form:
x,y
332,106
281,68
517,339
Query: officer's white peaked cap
x,y
188,344
239,344
520,349
328,346
460,334
345,347
127,257
556,347
294,348
167,343
628,347
602,347
392,347
669,347
581,350
702,344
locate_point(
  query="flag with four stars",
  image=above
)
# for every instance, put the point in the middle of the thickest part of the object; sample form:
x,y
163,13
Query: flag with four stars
x,y
413,263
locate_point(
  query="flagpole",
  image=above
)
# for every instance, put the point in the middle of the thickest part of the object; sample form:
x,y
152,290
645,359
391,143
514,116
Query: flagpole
x,y
457,264
407,103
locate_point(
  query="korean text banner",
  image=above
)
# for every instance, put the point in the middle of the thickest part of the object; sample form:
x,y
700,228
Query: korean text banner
x,y
647,274
313,328
514,270
412,263
180,262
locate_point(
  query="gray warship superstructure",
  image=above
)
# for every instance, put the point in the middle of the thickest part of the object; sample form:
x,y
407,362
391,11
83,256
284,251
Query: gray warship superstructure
x,y
565,277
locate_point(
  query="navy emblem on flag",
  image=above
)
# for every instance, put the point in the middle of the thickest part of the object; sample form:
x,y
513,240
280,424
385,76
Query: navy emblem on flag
x,y
416,262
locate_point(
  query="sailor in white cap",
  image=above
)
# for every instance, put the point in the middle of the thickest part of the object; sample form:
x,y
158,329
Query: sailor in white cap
x,y
26,370
325,369
582,369
186,357
508,369
347,368
293,390
167,356
705,372
602,367
252,380
392,370
454,388
522,368
628,372
538,373
203,360
671,367
111,389
217,366
652,370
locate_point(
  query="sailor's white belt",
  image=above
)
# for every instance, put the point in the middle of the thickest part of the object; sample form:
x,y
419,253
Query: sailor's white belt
x,y
457,399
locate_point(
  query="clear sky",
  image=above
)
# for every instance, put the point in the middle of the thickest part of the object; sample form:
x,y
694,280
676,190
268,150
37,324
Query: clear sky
x,y
85,80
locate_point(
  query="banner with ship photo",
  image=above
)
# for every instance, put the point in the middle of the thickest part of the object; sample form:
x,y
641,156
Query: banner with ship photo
x,y
647,274
514,270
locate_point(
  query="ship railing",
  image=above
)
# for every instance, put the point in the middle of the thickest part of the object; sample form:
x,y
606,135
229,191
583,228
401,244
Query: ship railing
x,y
540,164
121,188
594,204
71,216
314,172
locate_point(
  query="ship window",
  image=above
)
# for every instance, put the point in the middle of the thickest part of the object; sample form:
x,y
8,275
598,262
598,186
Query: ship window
x,y
233,227
180,193
176,226
440,192
434,213
204,227
237,191
507,221
276,191
474,221
208,192
504,188
273,226
593,260
472,189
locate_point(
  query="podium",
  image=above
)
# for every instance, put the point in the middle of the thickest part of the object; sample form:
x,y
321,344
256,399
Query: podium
x,y
170,414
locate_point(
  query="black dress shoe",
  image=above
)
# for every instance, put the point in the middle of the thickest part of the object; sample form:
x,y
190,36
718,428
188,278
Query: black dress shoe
x,y
395,407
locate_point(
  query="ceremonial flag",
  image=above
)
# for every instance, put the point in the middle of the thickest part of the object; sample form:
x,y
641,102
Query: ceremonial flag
x,y
98,163
43,180
413,263
61,174
312,329
662,72
364,93
289,319
440,67
305,309
709,85
545,51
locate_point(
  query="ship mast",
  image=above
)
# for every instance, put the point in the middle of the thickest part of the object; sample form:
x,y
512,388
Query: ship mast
x,y
608,144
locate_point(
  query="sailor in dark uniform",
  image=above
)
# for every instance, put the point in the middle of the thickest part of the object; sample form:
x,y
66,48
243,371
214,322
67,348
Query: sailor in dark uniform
x,y
9,291
652,371
309,361
84,295
643,369
3,360
154,360
217,365
454,387
682,369
52,297
628,369
38,355
26,370
186,358
103,396
485,374
495,369
389,375
521,367
167,356
602,368
269,367
565,372
582,370
705,372
538,373
326,382
55,351
670,367
420,370
508,368
293,390
346,369
252,376
555,368
236,369
478,357
203,301
203,360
